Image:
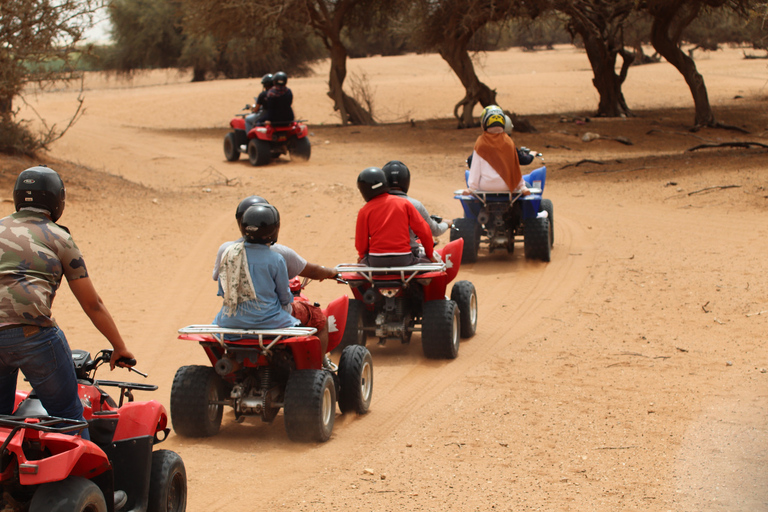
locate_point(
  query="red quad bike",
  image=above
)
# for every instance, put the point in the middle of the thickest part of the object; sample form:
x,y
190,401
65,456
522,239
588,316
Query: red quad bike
x,y
263,143
258,372
391,302
44,469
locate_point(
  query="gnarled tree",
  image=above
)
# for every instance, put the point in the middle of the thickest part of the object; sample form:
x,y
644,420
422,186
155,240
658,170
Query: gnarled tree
x,y
600,24
670,18
448,27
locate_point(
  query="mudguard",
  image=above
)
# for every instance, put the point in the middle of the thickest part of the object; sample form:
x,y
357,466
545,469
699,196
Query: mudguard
x,y
238,123
336,313
139,419
69,456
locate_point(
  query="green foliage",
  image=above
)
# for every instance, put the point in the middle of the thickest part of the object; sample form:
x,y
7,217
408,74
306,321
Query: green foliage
x,y
147,34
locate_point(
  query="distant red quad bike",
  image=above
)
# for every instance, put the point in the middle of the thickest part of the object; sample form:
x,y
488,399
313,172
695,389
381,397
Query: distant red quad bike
x,y
267,370
265,143
42,469
391,303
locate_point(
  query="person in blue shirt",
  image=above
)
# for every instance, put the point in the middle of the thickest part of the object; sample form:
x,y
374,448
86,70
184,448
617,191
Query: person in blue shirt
x,y
253,281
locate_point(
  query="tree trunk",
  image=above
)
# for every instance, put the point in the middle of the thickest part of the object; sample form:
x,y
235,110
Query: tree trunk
x,y
454,52
350,110
669,49
602,57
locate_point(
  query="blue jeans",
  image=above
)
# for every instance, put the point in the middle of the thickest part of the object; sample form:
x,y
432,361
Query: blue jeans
x,y
43,355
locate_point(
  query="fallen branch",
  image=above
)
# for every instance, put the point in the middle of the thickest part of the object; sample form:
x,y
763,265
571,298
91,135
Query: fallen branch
x,y
713,188
729,145
655,130
616,170
585,161
757,314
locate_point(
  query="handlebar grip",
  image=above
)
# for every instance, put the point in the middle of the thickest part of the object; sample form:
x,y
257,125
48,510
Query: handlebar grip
x,y
126,360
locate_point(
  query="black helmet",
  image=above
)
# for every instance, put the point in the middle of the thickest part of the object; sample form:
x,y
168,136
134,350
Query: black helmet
x,y
260,224
40,187
280,78
398,175
267,80
372,182
247,203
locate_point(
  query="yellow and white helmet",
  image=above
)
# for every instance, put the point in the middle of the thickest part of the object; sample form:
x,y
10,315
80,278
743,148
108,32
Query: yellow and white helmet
x,y
492,116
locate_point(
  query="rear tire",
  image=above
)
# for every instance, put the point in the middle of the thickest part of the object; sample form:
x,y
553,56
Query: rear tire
x,y
259,152
536,236
356,380
167,483
440,329
354,334
469,230
231,151
73,494
310,406
546,206
193,390
464,295
302,149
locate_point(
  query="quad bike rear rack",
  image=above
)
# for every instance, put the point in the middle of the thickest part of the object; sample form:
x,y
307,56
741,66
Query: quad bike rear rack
x,y
272,335
406,273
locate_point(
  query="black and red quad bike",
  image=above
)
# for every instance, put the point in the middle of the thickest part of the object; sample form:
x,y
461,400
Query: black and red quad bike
x,y
263,143
392,302
43,469
257,372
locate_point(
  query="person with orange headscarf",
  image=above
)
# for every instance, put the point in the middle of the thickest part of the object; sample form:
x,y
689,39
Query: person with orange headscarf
x,y
495,161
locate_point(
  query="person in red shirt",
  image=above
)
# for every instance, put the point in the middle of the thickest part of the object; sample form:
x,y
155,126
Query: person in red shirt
x,y
382,236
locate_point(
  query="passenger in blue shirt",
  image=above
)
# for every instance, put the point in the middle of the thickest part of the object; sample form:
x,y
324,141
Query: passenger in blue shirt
x,y
253,280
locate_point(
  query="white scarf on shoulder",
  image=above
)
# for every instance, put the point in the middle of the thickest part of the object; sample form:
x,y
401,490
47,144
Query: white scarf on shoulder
x,y
235,278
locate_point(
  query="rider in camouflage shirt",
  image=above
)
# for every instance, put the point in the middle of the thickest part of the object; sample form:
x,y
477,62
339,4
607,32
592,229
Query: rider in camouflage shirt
x,y
35,253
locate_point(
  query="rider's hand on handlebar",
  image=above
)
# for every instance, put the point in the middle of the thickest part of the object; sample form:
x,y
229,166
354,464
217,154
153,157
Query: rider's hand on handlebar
x,y
119,354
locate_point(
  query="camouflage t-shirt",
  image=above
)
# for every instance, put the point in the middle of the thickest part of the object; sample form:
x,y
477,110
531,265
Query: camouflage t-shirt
x,y
34,255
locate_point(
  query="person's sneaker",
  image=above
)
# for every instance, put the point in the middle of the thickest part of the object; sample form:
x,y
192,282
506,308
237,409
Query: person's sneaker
x,y
120,499
328,364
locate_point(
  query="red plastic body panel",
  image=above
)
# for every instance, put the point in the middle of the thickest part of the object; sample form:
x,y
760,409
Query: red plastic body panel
x,y
70,456
336,313
139,419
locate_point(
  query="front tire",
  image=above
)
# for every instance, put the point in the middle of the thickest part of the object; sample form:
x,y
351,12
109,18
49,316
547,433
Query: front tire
x,y
469,230
465,296
73,494
194,396
356,380
302,149
231,151
167,483
310,406
440,329
259,152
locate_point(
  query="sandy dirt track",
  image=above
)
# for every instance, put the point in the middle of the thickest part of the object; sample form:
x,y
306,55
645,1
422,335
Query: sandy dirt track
x,y
629,373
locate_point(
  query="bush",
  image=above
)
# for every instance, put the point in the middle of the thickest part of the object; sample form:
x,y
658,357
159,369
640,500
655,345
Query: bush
x,y
16,139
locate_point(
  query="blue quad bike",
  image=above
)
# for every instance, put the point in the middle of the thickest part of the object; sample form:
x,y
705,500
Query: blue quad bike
x,y
500,219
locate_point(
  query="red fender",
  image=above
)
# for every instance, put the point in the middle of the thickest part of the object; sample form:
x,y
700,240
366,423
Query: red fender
x,y
336,313
237,123
140,419
451,255
69,456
